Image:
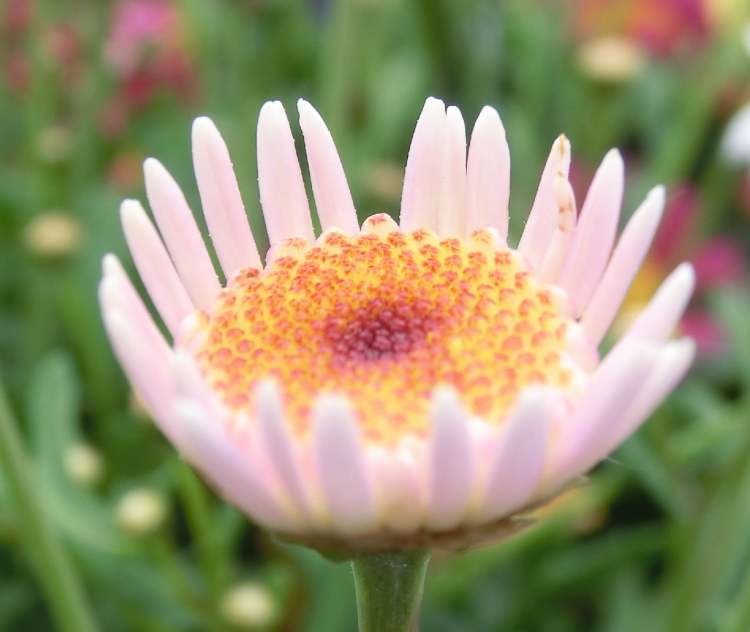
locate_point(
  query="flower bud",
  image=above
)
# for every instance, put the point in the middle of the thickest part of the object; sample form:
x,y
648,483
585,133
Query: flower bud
x,y
83,464
249,605
53,234
611,59
141,511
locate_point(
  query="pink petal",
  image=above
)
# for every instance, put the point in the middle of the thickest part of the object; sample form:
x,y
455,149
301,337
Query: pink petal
x,y
230,469
562,239
611,390
282,190
154,266
662,370
671,365
400,499
342,467
595,234
542,220
452,214
425,169
181,235
488,175
333,199
450,463
662,314
141,350
519,460
222,203
277,443
622,268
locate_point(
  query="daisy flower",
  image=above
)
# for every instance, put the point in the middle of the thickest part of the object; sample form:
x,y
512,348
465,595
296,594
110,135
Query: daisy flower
x,y
392,386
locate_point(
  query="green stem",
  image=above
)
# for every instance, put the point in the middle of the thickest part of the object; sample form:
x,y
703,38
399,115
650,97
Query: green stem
x,y
336,74
389,590
54,570
199,518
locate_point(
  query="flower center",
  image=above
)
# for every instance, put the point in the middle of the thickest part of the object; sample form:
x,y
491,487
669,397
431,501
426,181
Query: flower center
x,y
383,318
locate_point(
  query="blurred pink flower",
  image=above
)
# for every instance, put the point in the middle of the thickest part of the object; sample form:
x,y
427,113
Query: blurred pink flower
x,y
137,26
662,27
147,50
61,46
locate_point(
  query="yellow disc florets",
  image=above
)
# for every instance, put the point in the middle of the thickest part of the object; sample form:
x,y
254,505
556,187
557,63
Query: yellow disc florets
x,y
385,317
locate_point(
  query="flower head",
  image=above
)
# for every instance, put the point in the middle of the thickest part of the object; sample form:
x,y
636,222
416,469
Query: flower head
x,y
392,385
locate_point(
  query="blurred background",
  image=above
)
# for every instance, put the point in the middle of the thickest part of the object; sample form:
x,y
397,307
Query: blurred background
x,y
659,539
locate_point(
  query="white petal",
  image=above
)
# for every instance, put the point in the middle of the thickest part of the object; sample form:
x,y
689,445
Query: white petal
x,y
622,268
282,190
181,235
342,467
488,175
595,234
333,199
222,203
450,466
735,144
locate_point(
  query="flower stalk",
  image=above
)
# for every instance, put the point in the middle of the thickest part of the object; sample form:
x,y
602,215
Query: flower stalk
x,y
55,572
389,590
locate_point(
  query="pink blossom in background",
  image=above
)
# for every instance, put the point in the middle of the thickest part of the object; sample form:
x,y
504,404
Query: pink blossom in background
x,y
718,262
662,27
147,50
702,327
138,25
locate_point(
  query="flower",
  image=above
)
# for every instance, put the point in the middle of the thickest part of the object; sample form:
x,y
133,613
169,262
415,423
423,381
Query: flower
x,y
396,385
147,50
735,143
662,27
717,260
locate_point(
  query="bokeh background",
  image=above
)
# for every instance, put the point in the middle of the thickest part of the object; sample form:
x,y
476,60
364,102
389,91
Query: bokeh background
x,y
660,537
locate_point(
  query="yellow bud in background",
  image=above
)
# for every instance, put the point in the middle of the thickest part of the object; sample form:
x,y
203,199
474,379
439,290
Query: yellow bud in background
x,y
83,464
385,180
53,234
611,59
249,605
141,511
54,143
